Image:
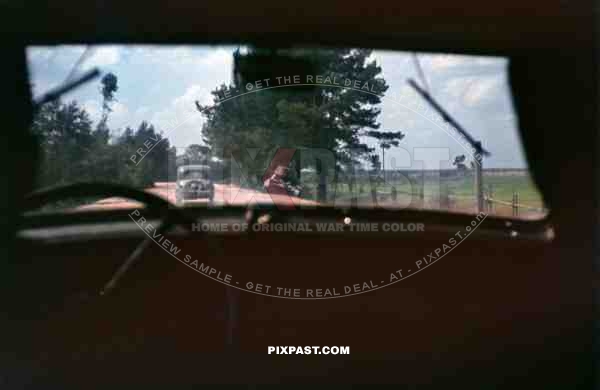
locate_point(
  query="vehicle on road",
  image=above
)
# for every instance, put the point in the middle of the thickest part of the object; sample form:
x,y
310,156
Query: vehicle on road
x,y
194,183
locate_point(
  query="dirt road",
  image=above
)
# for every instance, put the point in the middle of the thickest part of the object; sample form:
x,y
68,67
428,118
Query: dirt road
x,y
225,195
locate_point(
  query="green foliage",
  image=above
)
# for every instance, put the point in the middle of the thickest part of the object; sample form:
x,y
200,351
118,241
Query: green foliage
x,y
196,154
386,139
251,127
108,89
155,165
67,138
72,151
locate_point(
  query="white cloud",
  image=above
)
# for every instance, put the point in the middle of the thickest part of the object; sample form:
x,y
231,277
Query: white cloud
x,y
217,58
39,53
40,86
67,55
438,62
181,120
480,89
102,56
93,108
471,91
143,110
118,118
184,58
120,113
456,87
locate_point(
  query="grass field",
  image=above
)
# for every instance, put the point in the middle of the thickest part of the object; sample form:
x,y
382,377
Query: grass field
x,y
461,196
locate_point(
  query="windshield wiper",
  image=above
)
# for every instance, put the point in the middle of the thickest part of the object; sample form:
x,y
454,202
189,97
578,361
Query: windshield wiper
x,y
448,118
57,92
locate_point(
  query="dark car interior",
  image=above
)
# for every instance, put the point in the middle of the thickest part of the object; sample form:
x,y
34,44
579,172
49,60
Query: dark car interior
x,y
513,306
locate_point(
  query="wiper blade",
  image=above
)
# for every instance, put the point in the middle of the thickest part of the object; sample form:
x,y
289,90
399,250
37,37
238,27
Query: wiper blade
x,y
64,88
474,143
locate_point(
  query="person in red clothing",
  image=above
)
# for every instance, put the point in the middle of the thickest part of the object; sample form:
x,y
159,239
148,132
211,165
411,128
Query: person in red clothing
x,y
275,179
275,184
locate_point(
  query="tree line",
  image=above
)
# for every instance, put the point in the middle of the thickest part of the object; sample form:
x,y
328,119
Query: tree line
x,y
250,127
74,150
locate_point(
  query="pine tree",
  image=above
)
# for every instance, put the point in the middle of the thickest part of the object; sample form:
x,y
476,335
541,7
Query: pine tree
x,y
250,127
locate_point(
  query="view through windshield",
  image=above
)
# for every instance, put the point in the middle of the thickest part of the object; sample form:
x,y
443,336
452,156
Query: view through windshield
x,y
324,126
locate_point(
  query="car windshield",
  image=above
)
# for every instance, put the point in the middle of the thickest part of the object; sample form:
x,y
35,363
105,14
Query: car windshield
x,y
193,174
339,127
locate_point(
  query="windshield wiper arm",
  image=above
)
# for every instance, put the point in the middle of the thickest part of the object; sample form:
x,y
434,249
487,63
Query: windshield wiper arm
x,y
57,92
474,143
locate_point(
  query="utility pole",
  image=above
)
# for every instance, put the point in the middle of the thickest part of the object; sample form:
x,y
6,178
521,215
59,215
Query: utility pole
x,y
383,162
479,176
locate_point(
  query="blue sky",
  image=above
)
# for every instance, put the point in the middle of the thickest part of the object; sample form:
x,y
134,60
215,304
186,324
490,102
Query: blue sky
x,y
159,84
